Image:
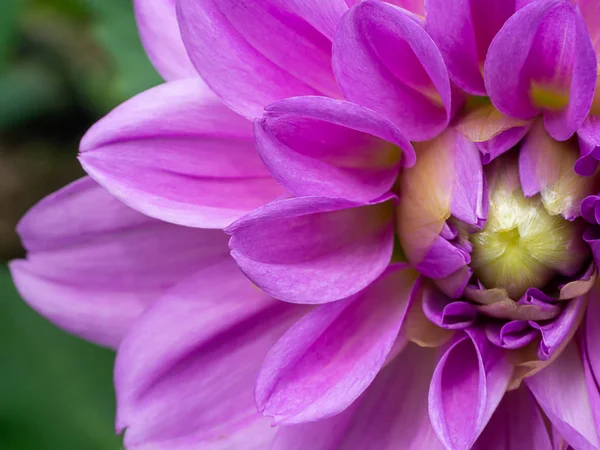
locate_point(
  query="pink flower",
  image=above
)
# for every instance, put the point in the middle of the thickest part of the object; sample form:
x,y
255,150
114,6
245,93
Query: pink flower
x,y
404,178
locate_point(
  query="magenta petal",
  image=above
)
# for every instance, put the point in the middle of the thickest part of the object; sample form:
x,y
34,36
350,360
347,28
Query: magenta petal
x,y
560,390
176,153
545,44
185,373
561,125
516,425
317,146
327,359
313,249
463,31
500,144
384,60
94,265
391,412
468,383
324,15
159,31
592,330
255,52
556,331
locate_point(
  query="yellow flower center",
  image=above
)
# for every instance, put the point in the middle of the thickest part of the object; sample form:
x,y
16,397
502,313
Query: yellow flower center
x,y
522,244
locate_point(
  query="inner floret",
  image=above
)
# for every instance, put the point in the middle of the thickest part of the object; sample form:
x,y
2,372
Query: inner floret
x,y
522,245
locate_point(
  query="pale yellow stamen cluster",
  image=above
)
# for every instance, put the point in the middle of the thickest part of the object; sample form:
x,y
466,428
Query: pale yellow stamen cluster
x,y
522,244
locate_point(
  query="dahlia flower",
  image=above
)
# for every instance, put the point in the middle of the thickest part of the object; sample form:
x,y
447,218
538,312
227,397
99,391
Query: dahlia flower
x,y
410,202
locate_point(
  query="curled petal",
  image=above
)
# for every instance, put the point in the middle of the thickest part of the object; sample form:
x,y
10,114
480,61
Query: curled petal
x,y
467,386
446,181
444,313
555,333
176,153
463,30
314,249
199,348
392,410
542,60
317,146
159,31
384,60
547,167
94,265
417,327
560,390
327,359
516,424
255,52
510,335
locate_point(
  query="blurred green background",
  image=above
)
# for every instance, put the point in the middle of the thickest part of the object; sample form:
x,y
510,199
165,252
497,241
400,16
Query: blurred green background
x,y
63,64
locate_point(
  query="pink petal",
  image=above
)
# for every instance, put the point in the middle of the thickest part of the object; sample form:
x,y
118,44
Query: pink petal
x,y
463,31
547,167
176,153
516,425
323,147
314,249
391,412
467,386
543,46
255,52
327,359
94,265
185,373
384,60
560,390
159,31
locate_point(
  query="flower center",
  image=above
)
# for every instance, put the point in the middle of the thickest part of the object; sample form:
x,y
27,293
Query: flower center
x,y
522,245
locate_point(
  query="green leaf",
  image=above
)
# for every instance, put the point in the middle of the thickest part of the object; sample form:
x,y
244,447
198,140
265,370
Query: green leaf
x,y
55,390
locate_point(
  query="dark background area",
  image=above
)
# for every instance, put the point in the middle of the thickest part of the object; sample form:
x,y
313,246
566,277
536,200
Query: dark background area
x,y
63,65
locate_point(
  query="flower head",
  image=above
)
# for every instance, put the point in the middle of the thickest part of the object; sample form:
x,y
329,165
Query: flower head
x,y
411,194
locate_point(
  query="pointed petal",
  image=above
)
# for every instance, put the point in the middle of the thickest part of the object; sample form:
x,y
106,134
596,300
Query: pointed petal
x,y
94,265
547,167
199,348
159,31
327,359
467,386
176,153
314,249
392,410
516,425
543,60
463,31
255,52
561,392
316,146
384,60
